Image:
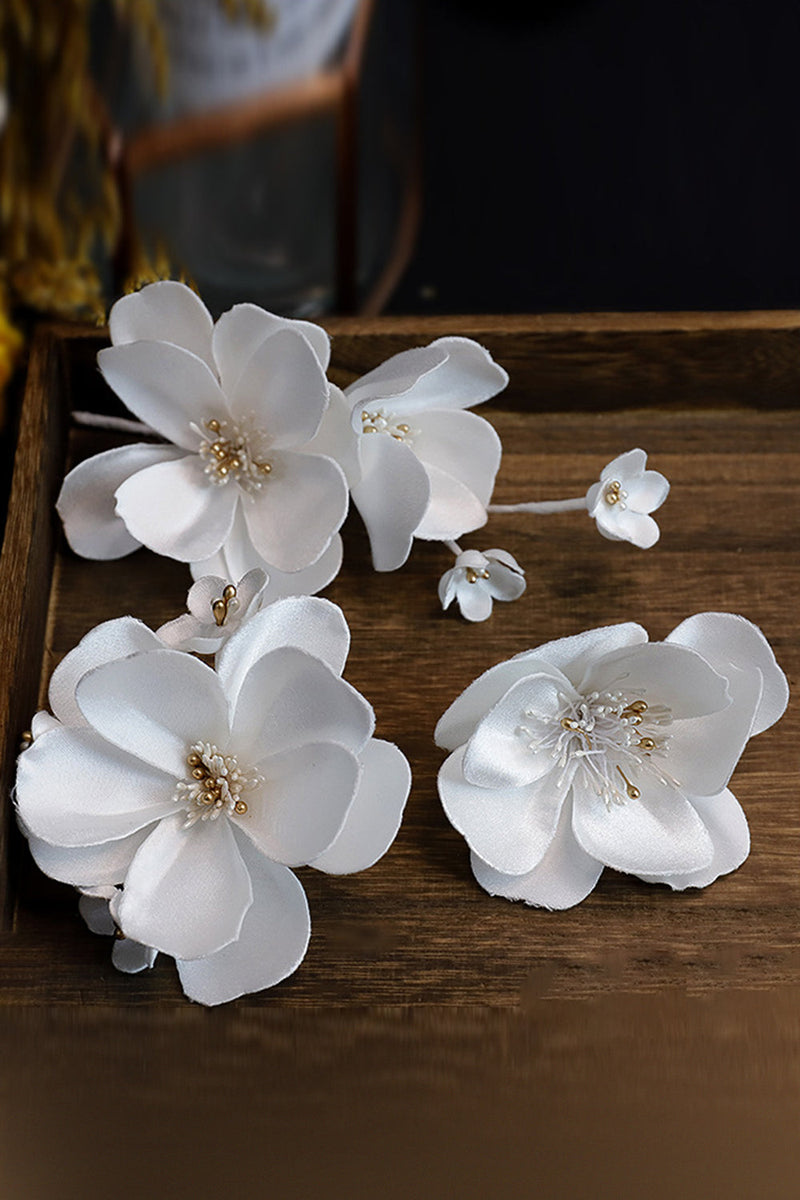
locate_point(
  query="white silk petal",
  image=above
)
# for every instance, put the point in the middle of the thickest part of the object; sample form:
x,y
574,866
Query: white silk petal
x,y
474,600
374,817
724,638
565,876
627,526
703,752
87,505
87,866
289,699
452,372
504,583
105,643
509,828
303,803
187,890
174,509
726,823
647,492
336,437
632,462
74,789
43,722
283,388
660,833
132,957
302,505
95,912
499,754
462,445
392,497
661,673
452,508
239,332
166,311
155,706
272,941
166,387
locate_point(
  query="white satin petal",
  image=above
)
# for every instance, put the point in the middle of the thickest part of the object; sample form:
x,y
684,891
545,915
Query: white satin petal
x,y
175,510
74,789
105,643
392,497
508,828
156,706
499,754
166,311
660,833
451,372
724,638
272,941
452,508
187,890
461,445
503,582
86,502
647,492
474,600
726,823
283,388
661,673
336,437
302,505
627,526
95,912
289,699
239,332
166,387
132,957
43,722
302,805
86,866
565,876
632,462
703,752
374,817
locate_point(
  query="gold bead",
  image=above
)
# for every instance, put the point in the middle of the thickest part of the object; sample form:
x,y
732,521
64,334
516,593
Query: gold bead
x,y
207,798
472,575
647,743
213,425
229,592
199,773
240,807
403,428
194,760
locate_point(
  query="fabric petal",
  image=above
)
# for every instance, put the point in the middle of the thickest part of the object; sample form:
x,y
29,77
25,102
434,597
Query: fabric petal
x,y
374,817
336,437
508,828
451,372
727,826
392,497
659,833
724,638
166,387
43,722
303,504
447,587
108,641
632,462
132,957
703,752
74,789
175,510
474,600
239,332
94,910
625,525
500,753
283,388
647,492
272,941
565,876
187,890
289,699
504,583
155,706
86,866
462,445
302,805
662,673
452,508
166,311
86,502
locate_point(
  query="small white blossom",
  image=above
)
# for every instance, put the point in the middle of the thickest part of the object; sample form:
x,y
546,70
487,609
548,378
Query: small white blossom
x,y
477,579
217,608
606,750
624,497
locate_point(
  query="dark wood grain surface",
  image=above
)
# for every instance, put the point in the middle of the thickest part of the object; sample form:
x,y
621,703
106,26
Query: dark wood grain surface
x,y
665,1025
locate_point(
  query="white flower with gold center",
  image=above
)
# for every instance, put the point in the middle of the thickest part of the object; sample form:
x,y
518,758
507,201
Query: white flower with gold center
x,y
607,750
237,402
217,608
183,796
623,498
478,579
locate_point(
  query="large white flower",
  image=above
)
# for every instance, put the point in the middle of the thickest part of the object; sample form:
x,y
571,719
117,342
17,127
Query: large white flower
x,y
418,465
606,750
238,402
198,790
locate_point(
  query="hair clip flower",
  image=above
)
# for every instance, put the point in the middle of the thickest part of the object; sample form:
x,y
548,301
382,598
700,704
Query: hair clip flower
x,y
182,795
607,750
478,579
216,610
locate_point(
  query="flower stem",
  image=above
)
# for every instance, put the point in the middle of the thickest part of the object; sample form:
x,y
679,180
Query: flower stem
x,y
119,424
541,506
453,546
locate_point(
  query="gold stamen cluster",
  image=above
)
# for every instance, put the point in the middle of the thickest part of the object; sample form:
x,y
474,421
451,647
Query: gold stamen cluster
x,y
474,575
215,784
381,422
228,456
225,605
614,494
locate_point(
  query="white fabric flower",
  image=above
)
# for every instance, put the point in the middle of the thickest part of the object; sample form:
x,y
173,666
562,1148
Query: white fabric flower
x,y
197,790
624,497
237,401
417,463
217,608
478,579
606,750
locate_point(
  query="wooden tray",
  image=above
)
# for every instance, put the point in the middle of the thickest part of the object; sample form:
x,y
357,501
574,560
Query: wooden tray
x,y
411,966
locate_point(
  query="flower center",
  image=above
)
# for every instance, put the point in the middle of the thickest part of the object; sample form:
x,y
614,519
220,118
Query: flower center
x,y
214,785
473,574
234,452
386,422
607,736
614,494
225,605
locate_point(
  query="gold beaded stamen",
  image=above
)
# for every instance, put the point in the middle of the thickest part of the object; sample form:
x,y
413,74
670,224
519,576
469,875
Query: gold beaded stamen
x,y
614,494
474,575
229,455
215,784
383,422
227,604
